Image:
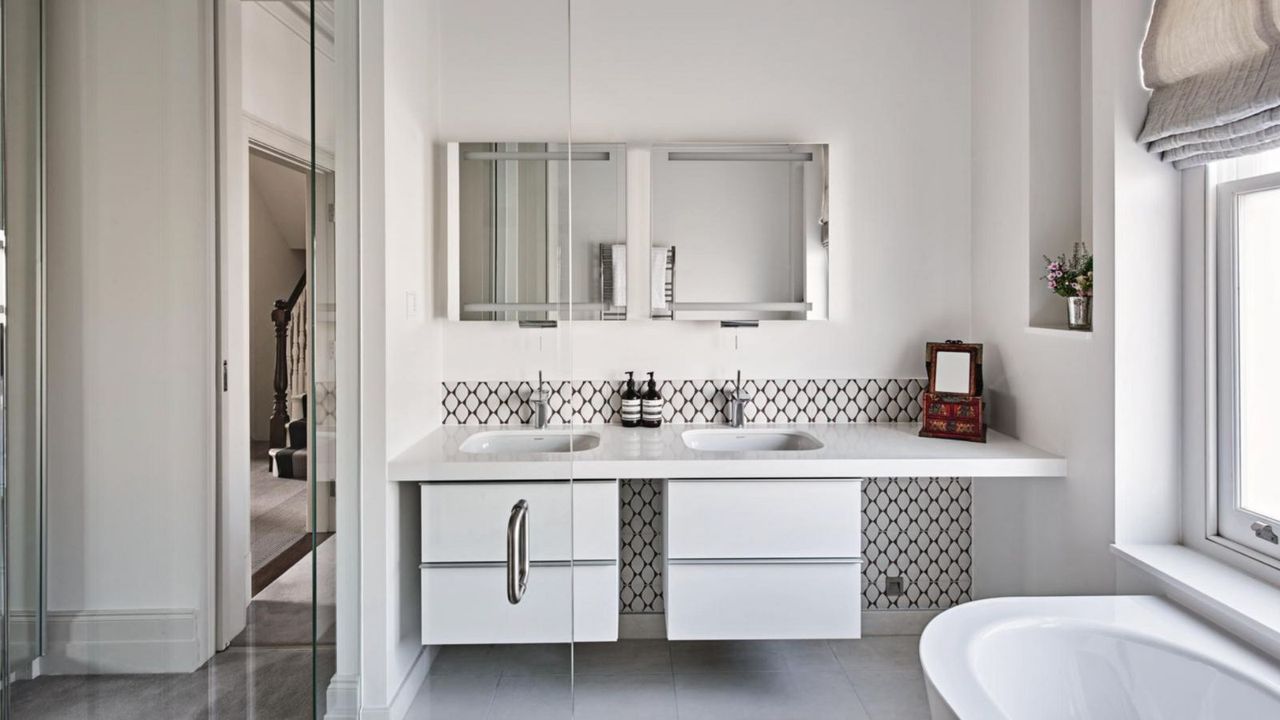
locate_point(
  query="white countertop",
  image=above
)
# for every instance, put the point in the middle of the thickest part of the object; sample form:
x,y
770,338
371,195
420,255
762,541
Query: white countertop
x,y
849,450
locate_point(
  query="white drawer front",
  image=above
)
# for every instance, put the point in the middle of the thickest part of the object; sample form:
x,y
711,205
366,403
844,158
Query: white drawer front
x,y
764,519
468,605
467,522
763,601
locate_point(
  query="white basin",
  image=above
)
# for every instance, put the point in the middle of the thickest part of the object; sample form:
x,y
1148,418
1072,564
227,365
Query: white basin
x,y
529,441
744,440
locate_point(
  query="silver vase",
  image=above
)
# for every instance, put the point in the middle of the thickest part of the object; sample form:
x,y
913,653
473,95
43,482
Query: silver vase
x,y
1080,313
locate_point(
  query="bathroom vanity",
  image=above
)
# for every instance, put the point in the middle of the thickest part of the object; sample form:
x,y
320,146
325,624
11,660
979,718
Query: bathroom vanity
x,y
762,525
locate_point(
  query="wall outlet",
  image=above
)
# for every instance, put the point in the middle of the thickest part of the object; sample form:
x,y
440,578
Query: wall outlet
x,y
893,586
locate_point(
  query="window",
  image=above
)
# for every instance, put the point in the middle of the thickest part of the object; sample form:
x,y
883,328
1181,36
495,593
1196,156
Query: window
x,y
1248,377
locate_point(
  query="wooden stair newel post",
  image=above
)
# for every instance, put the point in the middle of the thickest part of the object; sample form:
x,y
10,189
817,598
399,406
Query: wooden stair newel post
x,y
280,383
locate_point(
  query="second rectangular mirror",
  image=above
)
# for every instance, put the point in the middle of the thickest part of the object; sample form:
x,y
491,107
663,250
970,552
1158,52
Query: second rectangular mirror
x,y
743,231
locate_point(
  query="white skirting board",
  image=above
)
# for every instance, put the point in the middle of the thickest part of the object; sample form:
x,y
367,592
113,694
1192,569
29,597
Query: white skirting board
x,y
91,642
342,698
642,626
896,622
22,643
650,626
402,699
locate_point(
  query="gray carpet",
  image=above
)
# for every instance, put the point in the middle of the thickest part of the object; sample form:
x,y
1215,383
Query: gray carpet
x,y
277,510
280,615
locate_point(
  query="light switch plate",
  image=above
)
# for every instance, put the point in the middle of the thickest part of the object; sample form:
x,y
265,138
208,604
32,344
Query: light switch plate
x,y
410,305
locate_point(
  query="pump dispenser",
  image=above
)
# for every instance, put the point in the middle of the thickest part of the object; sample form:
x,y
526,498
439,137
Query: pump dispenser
x,y
651,404
630,402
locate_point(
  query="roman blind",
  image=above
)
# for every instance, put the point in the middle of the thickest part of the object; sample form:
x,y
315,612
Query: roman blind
x,y
1213,68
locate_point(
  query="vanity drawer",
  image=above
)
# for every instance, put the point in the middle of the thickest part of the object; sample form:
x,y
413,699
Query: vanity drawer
x,y
764,600
465,605
467,522
763,519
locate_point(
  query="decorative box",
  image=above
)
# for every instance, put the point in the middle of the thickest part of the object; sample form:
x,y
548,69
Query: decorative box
x,y
952,405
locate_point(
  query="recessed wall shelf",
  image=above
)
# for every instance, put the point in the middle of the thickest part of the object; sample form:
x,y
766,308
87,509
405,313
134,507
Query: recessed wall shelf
x,y
1061,331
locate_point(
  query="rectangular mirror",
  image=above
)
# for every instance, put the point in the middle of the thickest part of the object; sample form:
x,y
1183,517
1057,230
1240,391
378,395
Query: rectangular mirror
x,y
512,255
739,232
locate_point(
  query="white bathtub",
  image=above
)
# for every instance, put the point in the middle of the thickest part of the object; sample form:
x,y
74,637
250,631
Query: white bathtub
x,y
1091,658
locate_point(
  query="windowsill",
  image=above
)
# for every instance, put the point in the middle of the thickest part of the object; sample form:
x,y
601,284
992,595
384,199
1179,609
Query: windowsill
x,y
1245,606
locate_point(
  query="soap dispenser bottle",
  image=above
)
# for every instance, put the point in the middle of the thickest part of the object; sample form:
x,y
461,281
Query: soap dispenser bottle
x,y
651,404
630,402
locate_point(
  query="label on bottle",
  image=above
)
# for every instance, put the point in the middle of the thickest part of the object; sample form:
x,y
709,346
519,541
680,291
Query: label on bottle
x,y
651,410
631,411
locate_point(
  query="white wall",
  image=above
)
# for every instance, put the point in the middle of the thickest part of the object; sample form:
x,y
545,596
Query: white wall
x,y
274,269
887,84
1103,401
1052,390
277,74
1149,299
130,354
401,350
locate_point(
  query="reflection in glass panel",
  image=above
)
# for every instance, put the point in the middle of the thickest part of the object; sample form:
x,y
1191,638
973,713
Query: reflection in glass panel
x,y
21,312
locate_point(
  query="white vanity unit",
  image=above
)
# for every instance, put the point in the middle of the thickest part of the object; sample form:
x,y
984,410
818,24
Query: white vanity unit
x,y
763,558
482,540
522,547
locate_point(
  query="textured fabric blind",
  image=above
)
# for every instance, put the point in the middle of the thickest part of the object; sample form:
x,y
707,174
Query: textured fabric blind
x,y
1213,67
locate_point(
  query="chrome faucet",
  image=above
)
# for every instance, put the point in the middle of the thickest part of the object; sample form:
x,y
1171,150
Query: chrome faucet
x,y
739,398
541,401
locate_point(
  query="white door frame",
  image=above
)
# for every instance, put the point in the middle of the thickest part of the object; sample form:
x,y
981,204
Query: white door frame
x,y
231,569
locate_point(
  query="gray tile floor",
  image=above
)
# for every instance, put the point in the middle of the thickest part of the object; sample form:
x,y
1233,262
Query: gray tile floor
x,y
264,683
265,675
876,678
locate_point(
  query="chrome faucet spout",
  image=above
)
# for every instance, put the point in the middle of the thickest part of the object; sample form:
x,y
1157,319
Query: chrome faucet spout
x,y
738,399
540,399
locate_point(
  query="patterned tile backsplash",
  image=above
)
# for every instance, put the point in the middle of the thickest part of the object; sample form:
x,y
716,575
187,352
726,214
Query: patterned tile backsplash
x,y
917,529
690,401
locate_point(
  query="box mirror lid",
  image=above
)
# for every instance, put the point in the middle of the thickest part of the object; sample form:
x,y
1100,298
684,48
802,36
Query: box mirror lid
x,y
954,368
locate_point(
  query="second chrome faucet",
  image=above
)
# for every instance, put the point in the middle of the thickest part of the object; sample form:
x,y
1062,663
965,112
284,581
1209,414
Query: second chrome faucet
x,y
540,399
738,399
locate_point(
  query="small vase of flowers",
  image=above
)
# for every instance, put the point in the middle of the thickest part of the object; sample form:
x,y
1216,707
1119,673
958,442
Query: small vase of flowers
x,y
1072,278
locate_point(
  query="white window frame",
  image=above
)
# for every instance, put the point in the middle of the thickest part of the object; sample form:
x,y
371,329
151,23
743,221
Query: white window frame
x,y
1227,519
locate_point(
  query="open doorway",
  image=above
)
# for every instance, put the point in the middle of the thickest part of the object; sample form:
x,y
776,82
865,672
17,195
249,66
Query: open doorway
x,y
289,351
278,461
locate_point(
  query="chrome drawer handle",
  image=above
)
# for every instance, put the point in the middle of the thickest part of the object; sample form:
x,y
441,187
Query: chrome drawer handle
x,y
518,552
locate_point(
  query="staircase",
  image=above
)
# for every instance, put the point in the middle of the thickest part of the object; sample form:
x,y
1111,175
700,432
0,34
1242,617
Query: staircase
x,y
288,433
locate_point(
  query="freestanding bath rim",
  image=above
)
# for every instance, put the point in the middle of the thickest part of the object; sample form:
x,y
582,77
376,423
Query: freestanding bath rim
x,y
1091,658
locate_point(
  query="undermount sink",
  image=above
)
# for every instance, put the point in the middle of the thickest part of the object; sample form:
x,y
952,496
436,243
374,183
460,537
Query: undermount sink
x,y
742,440
529,441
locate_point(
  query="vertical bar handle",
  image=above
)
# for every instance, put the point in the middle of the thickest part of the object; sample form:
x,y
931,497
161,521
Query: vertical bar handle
x,y
518,552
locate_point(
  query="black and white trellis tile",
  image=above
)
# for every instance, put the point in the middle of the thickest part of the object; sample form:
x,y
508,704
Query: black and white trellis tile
x,y
690,401
917,529
641,556
920,531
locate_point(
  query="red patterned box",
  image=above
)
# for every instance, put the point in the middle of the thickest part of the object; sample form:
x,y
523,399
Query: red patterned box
x,y
955,417
952,405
